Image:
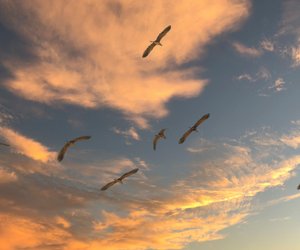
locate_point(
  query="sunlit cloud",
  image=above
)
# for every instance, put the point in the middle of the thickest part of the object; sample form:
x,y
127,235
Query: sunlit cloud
x,y
131,133
246,51
26,146
278,85
74,65
7,176
295,55
217,190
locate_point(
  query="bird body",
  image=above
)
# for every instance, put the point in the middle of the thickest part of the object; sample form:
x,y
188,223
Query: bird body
x,y
157,41
120,179
158,136
193,128
69,144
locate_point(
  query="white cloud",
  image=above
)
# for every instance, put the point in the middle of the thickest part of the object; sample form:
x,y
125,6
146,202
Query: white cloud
x,y
278,85
131,133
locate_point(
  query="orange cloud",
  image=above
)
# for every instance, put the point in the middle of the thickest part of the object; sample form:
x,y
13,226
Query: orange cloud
x,y
26,146
89,53
246,51
7,176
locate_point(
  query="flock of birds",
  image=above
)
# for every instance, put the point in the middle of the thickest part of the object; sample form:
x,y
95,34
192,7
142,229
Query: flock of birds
x,y
160,135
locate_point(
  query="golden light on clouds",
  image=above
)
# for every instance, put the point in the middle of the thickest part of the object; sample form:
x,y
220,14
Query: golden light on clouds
x,y
89,53
26,146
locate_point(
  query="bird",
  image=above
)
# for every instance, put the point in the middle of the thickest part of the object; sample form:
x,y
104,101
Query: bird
x,y
298,187
62,152
161,134
157,41
193,128
120,179
4,144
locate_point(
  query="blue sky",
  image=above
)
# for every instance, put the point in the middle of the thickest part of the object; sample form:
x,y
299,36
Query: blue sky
x,y
70,69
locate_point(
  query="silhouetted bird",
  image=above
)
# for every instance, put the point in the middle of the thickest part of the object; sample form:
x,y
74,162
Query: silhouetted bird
x,y
69,144
120,179
157,41
161,134
4,144
194,128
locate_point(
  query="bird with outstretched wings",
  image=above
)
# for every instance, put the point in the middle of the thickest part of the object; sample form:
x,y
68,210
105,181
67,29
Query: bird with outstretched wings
x,y
4,144
69,144
193,128
157,41
120,179
158,136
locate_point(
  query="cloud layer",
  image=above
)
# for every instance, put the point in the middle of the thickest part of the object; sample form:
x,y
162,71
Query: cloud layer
x,y
89,53
218,190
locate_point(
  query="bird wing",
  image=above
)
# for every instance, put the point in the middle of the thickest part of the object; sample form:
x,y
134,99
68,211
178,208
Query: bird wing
x,y
163,33
185,135
109,185
156,138
162,133
68,144
129,173
4,144
81,138
202,119
62,152
149,49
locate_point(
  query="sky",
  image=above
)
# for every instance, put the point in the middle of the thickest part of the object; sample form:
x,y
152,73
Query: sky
x,y
74,68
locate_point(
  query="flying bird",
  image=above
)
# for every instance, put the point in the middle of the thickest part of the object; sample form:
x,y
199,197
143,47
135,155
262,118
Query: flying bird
x,y
157,41
4,144
193,128
120,179
161,134
69,144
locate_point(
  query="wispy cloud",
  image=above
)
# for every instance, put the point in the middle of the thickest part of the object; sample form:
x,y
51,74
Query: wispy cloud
x,y
246,51
26,146
267,45
278,85
73,65
7,176
215,191
131,133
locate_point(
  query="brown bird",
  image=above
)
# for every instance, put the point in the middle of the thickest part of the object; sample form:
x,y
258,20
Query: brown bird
x,y
120,179
157,41
161,134
4,144
194,128
69,144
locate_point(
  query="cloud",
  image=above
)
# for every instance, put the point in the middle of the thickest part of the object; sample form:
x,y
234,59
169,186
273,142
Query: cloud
x,y
245,77
246,51
26,146
267,45
218,190
7,176
262,74
73,64
278,85
131,133
295,55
